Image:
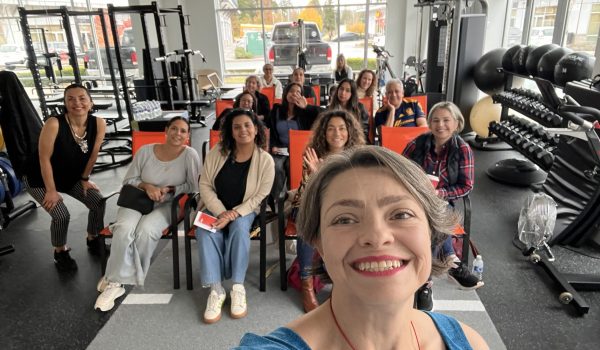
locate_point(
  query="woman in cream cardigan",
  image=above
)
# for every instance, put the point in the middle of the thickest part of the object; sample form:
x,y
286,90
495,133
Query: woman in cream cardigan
x,y
237,175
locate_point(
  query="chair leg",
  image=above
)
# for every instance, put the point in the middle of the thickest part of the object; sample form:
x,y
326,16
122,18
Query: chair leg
x,y
188,262
103,257
282,265
263,254
175,245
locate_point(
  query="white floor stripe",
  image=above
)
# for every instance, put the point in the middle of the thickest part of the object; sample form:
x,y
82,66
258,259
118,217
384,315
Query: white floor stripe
x,y
458,305
180,233
141,299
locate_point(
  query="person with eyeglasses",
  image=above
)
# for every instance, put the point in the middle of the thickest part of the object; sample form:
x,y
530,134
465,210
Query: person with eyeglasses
x,y
245,100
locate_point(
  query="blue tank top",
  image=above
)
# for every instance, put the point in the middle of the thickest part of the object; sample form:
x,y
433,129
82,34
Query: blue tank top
x,y
286,339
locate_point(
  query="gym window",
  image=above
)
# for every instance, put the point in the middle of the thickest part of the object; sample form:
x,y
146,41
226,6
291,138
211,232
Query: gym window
x,y
347,26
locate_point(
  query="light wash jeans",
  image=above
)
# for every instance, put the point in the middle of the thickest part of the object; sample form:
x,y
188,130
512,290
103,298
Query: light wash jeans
x,y
225,253
135,237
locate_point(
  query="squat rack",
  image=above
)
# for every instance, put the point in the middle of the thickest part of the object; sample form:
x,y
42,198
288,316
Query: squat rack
x,y
65,15
156,12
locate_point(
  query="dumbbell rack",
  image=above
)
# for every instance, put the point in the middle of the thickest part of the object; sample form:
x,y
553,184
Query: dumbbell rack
x,y
527,135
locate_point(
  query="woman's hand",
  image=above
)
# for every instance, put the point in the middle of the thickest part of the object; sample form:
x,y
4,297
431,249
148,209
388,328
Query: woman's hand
x,y
312,160
154,193
51,199
275,150
89,185
301,102
225,218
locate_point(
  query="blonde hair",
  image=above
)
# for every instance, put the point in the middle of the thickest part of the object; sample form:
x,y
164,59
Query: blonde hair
x,y
454,112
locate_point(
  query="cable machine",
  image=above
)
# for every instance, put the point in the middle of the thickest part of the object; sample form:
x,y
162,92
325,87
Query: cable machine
x,y
455,44
65,16
165,89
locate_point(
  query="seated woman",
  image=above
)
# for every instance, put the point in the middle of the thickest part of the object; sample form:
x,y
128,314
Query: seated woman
x,y
342,70
68,149
162,171
332,133
366,83
237,175
373,216
448,159
262,105
399,111
245,100
292,114
346,98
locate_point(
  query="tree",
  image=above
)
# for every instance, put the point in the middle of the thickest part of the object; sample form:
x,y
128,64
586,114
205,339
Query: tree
x,y
311,15
329,20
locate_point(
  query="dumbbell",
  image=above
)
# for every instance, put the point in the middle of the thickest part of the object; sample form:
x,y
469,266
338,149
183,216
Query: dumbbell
x,y
545,158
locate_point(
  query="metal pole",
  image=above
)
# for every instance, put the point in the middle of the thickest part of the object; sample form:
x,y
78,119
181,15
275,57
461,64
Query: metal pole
x,y
162,52
32,61
113,27
69,34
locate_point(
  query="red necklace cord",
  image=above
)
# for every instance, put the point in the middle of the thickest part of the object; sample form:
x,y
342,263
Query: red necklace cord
x,y
338,325
348,340
416,337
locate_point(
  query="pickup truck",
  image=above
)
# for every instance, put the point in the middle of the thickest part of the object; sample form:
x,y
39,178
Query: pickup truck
x,y
283,53
128,56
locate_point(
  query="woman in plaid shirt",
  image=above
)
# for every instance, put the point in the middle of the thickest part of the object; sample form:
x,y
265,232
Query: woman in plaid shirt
x,y
448,160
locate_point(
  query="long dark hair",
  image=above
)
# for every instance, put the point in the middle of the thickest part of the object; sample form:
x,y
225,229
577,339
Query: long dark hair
x,y
284,102
228,142
318,140
352,104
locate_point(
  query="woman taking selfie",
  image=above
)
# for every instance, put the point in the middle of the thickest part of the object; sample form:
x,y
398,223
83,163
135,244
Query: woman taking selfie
x,y
373,215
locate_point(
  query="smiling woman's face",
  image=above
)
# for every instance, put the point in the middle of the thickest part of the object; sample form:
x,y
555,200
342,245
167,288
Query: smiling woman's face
x,y
375,239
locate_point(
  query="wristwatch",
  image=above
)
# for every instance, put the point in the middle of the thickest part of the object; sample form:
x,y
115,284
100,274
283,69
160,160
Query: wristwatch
x,y
85,178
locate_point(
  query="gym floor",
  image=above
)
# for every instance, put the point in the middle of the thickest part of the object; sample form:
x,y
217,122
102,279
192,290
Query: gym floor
x,y
41,308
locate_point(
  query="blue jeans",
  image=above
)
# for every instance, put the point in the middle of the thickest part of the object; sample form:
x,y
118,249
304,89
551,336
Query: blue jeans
x,y
444,250
305,256
225,253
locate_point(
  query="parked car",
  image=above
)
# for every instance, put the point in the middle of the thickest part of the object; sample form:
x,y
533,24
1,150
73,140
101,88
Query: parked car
x,y
11,55
283,53
348,36
128,55
541,35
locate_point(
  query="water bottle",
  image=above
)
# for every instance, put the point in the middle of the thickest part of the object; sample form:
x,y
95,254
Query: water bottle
x,y
478,267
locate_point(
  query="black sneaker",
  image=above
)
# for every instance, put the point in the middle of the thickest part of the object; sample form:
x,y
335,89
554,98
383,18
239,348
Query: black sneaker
x,y
94,245
63,261
424,298
464,277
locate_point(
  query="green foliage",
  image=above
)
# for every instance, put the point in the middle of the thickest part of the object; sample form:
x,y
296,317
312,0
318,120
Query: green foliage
x,y
240,52
357,63
67,72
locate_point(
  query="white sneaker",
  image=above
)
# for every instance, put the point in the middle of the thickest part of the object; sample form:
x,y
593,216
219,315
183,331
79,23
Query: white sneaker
x,y
106,300
239,308
213,307
102,284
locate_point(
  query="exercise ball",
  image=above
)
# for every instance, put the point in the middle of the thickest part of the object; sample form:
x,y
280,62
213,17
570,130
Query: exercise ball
x,y
574,66
520,59
507,58
534,57
485,74
482,114
548,61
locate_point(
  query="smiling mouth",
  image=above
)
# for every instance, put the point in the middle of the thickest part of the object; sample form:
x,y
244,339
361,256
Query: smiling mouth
x,y
379,266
